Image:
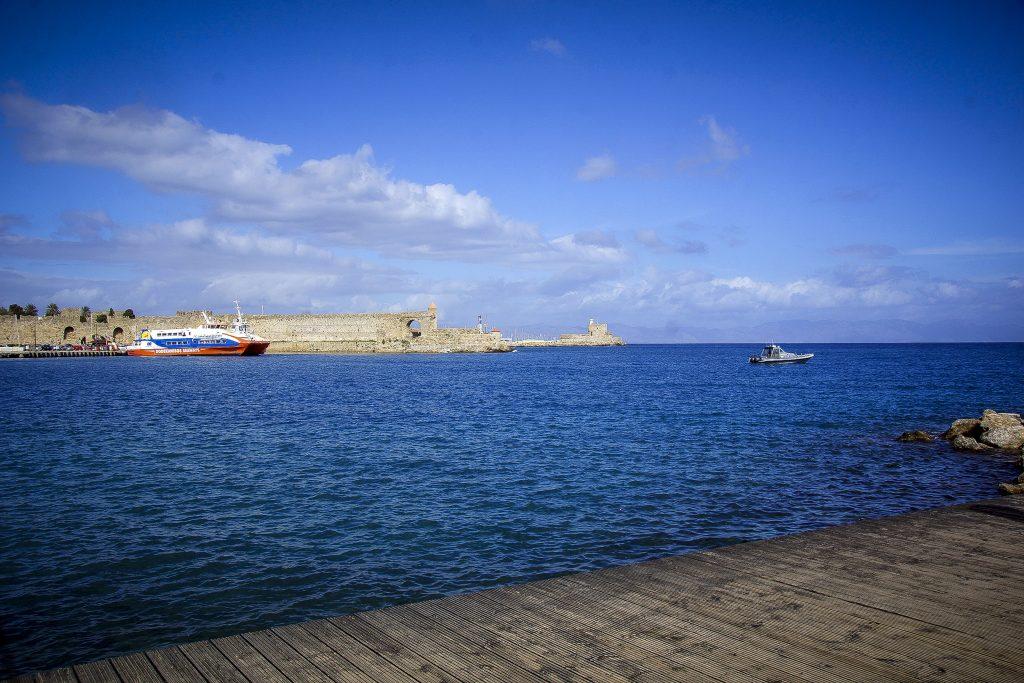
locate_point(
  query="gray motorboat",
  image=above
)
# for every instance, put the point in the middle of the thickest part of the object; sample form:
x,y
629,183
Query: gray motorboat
x,y
773,353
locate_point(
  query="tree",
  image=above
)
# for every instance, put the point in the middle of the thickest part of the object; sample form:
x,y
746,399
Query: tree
x,y
52,311
84,317
101,317
4,311
15,309
128,313
31,310
110,312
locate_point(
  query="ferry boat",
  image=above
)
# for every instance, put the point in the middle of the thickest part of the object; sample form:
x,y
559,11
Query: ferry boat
x,y
773,353
210,339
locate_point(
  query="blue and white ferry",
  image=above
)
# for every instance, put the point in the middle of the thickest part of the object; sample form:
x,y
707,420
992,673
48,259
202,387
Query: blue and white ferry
x,y
210,339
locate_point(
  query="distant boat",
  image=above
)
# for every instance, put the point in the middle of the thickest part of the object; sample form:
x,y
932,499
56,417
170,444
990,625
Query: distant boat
x,y
209,339
773,353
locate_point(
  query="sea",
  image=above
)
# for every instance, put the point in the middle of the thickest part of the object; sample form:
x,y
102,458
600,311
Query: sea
x,y
151,501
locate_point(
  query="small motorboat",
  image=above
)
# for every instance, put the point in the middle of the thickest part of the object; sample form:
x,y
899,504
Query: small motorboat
x,y
773,353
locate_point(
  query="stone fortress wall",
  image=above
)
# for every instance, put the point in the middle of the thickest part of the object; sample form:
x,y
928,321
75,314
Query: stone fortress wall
x,y
597,334
407,332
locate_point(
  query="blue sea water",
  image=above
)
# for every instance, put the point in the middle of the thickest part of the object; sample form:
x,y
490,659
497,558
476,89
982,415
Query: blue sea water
x,y
153,501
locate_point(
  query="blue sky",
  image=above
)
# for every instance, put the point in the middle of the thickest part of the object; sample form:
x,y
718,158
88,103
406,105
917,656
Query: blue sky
x,y
686,171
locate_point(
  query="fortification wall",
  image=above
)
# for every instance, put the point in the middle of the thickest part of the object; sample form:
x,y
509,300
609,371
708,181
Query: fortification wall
x,y
410,331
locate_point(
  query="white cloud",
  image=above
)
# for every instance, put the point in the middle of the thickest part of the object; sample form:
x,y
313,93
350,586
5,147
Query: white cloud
x,y
723,148
347,199
552,46
725,144
597,168
594,246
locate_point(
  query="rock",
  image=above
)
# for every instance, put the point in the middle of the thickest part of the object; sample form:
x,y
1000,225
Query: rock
x,y
968,426
990,419
1004,437
916,435
966,443
1011,489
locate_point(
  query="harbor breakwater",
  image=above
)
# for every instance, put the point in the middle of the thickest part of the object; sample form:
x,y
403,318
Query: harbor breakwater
x,y
405,332
597,334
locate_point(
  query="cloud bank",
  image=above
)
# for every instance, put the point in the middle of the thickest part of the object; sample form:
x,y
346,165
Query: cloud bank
x,y
347,199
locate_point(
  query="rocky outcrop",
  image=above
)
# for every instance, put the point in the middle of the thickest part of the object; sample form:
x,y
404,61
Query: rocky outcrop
x,y
967,443
1006,438
993,432
915,435
1004,431
1015,487
969,426
990,419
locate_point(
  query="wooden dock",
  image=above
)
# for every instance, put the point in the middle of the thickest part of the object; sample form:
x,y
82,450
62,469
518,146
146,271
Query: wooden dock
x,y
60,354
929,596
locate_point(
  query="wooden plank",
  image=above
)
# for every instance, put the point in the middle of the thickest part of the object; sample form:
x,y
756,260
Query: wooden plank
x,y
459,655
96,672
368,661
621,628
805,627
596,655
875,594
324,657
62,675
572,651
173,665
248,660
136,667
852,556
394,651
895,628
529,654
212,663
683,637
292,664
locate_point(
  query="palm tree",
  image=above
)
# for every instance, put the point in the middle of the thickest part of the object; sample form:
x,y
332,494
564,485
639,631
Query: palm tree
x,y
85,315
110,313
128,313
52,311
15,309
31,309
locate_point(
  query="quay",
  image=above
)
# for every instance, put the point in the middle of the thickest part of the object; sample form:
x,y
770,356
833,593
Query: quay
x,y
936,595
59,354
